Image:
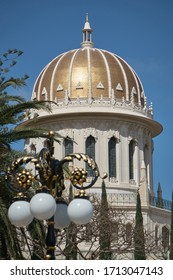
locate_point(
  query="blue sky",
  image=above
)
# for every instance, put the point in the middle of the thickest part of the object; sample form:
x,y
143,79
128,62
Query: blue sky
x,y
139,31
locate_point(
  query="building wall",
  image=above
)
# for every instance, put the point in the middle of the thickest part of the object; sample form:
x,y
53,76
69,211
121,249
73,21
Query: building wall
x,y
102,129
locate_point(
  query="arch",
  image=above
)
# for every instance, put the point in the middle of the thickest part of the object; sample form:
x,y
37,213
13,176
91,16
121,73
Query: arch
x,y
131,159
112,157
128,233
165,237
146,160
46,143
33,148
68,146
156,234
90,151
114,230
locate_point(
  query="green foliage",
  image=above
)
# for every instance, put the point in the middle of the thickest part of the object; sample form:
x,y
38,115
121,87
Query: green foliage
x,y
139,239
70,250
13,109
7,61
104,227
9,243
37,233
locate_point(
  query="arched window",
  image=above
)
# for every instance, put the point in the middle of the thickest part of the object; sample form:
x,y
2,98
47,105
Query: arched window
x,y
90,151
114,230
129,233
146,160
33,148
165,237
131,159
112,157
68,147
156,234
46,143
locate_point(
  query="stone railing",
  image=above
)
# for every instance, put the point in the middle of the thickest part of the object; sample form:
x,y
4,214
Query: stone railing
x,y
107,102
129,199
160,202
119,199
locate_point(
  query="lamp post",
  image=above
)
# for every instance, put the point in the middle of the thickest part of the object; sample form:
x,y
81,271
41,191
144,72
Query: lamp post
x,y
48,203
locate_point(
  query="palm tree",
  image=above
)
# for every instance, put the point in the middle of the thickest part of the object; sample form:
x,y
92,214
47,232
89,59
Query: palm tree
x,y
12,113
13,108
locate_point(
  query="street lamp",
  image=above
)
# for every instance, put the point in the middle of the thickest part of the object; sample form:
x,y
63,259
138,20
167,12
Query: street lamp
x,y
48,203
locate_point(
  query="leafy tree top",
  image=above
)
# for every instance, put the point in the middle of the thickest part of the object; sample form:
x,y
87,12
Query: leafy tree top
x,y
7,61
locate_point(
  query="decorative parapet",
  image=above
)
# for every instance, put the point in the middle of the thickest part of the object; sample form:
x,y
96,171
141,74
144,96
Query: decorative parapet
x,y
118,199
106,102
160,203
129,199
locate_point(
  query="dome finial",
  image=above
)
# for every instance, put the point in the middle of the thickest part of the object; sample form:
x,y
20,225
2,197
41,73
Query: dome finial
x,y
87,34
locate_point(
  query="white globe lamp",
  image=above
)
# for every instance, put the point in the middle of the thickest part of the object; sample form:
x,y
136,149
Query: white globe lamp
x,y
19,213
61,217
43,206
80,211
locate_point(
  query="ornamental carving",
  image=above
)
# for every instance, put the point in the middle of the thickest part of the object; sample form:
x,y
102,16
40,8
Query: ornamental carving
x,y
112,133
91,132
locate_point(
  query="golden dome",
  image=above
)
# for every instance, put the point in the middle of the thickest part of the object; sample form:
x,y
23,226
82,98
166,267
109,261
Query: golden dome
x,y
88,72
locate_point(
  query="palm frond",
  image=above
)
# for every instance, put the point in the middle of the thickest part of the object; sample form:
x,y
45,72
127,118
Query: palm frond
x,y
9,113
4,146
4,98
11,136
13,82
